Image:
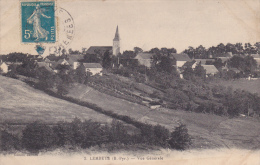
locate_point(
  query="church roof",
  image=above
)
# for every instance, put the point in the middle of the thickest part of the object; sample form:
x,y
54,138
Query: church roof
x,y
117,38
97,49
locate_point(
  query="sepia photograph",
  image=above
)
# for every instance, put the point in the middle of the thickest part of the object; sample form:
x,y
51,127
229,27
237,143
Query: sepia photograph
x,y
112,82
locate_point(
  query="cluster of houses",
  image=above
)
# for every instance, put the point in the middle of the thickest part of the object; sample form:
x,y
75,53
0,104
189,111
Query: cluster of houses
x,y
181,60
51,64
143,58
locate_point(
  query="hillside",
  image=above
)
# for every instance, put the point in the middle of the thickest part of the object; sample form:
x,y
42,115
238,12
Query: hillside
x,y
252,86
207,130
20,103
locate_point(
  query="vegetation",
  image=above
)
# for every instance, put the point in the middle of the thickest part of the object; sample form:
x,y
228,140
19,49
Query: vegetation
x,y
37,136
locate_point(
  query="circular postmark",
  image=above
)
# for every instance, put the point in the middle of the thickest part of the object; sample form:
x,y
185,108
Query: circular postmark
x,y
65,29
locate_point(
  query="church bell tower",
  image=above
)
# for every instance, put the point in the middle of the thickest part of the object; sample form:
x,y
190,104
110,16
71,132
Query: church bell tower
x,y
116,43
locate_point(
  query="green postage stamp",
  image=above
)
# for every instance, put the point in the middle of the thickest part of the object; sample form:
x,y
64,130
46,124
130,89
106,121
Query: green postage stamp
x,y
38,22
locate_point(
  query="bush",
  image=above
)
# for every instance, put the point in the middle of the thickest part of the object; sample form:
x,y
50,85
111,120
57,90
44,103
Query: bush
x,y
38,136
9,141
180,139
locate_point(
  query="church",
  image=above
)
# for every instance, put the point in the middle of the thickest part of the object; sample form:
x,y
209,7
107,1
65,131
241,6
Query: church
x,y
114,50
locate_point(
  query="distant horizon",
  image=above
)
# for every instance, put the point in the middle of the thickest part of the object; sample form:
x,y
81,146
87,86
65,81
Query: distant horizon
x,y
145,24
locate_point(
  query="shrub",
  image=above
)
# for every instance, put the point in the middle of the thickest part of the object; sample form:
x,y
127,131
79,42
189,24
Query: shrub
x,y
180,139
9,141
161,135
37,136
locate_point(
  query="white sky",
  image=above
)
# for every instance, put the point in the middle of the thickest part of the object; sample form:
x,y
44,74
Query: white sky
x,y
146,24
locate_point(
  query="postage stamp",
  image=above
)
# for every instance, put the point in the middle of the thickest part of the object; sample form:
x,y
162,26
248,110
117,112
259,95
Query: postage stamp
x,y
38,22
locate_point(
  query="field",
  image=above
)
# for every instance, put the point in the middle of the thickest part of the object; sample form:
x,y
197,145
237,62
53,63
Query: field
x,y
20,103
252,86
208,131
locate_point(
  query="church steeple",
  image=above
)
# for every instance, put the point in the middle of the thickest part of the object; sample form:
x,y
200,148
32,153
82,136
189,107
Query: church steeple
x,y
116,43
116,35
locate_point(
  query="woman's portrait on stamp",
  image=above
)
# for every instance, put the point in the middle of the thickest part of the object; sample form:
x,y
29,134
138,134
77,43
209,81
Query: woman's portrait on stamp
x,y
35,19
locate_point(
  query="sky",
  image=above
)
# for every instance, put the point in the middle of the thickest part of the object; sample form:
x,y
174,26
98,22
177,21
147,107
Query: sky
x,y
145,23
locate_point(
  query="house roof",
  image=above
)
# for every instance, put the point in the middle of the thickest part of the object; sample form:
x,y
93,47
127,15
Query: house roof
x,y
61,60
204,61
235,70
144,55
189,63
224,59
52,58
45,65
3,64
96,49
210,69
74,58
92,65
228,54
255,55
180,57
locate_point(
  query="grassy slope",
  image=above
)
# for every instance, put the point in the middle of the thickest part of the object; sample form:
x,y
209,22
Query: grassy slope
x,y
208,130
252,86
20,103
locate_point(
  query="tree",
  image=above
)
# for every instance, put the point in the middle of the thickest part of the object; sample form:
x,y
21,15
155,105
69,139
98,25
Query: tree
x,y
188,73
166,64
218,63
37,136
155,51
80,74
128,54
107,60
63,52
200,71
180,139
137,50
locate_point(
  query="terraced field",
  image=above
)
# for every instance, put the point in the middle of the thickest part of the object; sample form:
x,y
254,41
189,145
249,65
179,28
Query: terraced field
x,y
208,131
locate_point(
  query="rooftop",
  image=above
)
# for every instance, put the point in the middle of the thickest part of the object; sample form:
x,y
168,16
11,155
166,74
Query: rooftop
x,y
144,55
97,49
180,57
210,69
92,65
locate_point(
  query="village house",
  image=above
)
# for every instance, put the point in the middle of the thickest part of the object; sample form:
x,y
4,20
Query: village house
x,y
204,61
179,59
73,60
3,67
144,58
210,69
46,66
225,57
257,58
94,68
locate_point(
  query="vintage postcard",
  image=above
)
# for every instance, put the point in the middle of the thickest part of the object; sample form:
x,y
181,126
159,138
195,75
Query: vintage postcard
x,y
129,82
